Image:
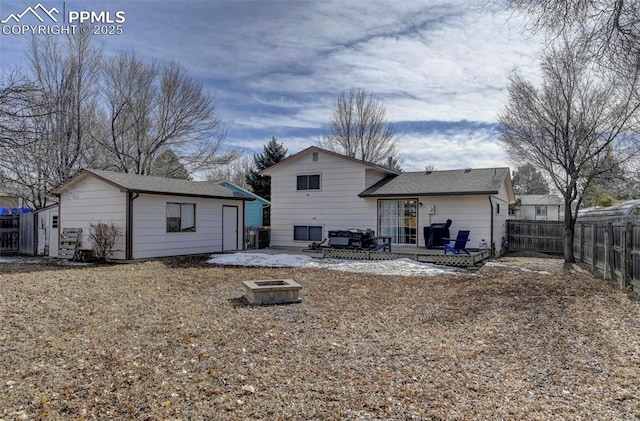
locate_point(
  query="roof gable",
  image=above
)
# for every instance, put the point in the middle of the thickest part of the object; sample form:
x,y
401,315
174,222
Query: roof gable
x,y
136,183
443,183
269,171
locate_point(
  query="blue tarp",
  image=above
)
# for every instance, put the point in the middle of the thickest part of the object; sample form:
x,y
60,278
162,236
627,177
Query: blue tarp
x,y
14,211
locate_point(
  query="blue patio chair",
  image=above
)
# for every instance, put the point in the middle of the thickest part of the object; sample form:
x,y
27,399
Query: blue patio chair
x,y
460,244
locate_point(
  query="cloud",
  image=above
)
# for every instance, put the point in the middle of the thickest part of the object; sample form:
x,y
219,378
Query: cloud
x,y
451,146
277,66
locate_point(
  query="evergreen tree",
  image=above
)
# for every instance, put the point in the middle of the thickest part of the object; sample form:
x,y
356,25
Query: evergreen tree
x,y
273,153
528,180
167,164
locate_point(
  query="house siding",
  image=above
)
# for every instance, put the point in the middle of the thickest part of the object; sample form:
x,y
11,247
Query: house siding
x,y
92,201
335,206
150,238
472,212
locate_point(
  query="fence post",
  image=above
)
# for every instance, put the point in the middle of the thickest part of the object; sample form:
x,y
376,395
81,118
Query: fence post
x,y
609,244
581,242
627,263
594,248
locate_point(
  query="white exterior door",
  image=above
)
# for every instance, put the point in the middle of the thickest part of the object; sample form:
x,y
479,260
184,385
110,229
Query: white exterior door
x,y
229,228
53,233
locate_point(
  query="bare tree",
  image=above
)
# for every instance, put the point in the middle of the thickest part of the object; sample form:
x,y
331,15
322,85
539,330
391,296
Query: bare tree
x,y
152,108
571,126
18,104
235,171
359,128
610,28
52,132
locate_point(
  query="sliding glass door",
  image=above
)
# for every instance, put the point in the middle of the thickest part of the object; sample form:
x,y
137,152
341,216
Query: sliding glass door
x,y
398,219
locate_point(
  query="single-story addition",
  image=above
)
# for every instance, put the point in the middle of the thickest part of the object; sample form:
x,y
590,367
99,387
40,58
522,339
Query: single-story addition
x,y
316,190
254,210
539,207
157,216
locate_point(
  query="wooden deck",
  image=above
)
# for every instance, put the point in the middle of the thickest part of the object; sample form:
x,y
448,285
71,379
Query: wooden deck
x,y
434,256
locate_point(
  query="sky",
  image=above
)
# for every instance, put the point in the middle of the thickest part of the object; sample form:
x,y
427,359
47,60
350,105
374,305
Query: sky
x,y
440,67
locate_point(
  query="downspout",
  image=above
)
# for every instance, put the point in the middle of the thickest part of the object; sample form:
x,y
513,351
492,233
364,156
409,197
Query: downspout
x,y
128,248
244,225
491,244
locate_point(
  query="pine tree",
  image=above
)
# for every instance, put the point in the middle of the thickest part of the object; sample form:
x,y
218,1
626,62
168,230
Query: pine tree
x,y
528,180
273,153
167,164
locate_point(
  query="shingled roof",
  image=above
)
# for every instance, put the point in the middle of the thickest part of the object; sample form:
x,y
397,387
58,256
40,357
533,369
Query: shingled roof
x,y
136,183
441,183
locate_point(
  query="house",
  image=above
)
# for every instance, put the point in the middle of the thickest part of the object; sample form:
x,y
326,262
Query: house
x,y
157,216
317,190
254,210
542,207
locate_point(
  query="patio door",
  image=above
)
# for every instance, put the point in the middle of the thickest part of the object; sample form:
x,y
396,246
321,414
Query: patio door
x,y
399,220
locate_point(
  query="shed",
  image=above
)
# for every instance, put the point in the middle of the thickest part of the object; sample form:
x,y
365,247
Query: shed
x,y
157,216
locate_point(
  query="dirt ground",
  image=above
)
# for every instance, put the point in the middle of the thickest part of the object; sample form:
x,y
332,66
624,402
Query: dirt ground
x,y
173,339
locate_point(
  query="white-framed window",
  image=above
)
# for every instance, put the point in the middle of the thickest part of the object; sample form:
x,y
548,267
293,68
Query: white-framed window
x,y
541,210
307,233
308,182
181,217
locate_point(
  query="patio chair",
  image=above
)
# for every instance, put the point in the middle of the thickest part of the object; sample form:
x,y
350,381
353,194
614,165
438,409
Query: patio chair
x,y
460,244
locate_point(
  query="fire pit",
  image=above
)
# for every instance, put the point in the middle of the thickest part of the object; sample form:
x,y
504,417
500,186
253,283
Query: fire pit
x,y
275,291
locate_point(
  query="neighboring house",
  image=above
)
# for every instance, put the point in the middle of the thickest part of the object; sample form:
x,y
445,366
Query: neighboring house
x,y
539,207
254,211
316,190
157,216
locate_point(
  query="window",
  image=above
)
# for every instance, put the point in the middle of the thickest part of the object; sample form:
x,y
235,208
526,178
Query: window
x,y
541,210
54,221
308,182
314,157
307,233
497,208
181,217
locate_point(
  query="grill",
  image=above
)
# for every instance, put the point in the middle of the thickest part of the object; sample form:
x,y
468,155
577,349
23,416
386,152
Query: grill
x,y
433,235
352,239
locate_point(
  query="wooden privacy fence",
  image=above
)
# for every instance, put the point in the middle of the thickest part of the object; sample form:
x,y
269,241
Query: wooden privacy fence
x,y
611,246
540,236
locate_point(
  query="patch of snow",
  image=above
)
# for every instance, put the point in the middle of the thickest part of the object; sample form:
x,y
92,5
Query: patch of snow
x,y
28,260
399,267
260,260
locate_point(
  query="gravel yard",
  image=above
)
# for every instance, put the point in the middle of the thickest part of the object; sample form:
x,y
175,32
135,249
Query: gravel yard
x,y
518,339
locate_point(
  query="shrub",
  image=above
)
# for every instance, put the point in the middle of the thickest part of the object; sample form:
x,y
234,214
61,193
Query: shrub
x,y
103,238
